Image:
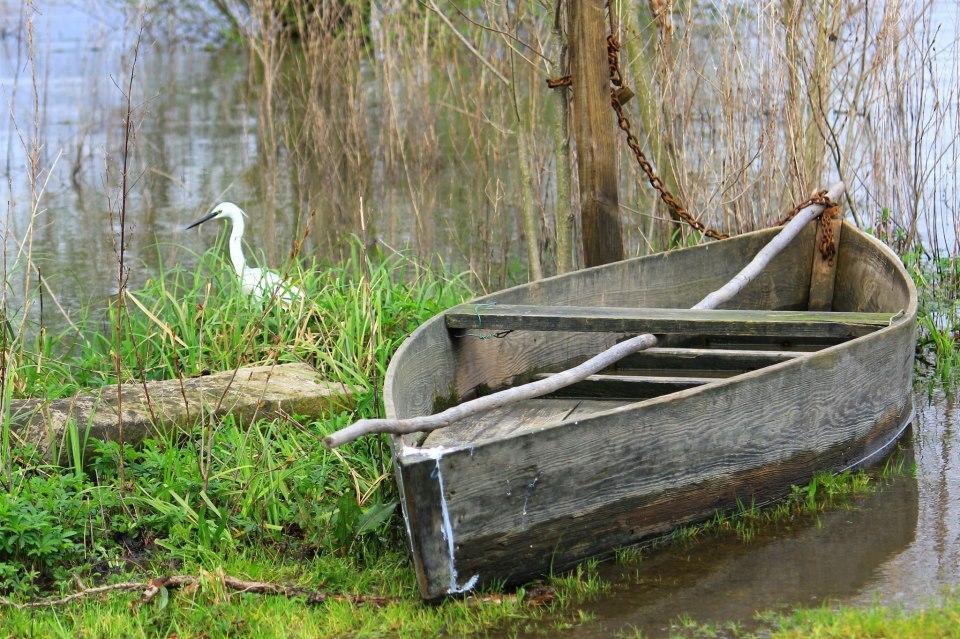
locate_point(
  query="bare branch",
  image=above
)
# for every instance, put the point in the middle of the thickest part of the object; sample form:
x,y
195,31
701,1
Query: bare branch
x,y
151,588
433,7
595,364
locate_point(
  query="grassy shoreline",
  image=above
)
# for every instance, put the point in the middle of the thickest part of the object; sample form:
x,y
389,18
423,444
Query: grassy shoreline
x,y
263,502
938,619
267,501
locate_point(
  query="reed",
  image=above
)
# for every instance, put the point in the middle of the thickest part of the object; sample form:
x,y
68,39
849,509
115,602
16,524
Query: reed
x,y
438,115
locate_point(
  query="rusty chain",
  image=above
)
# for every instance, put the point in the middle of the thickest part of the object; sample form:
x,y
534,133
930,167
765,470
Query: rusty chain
x,y
619,94
616,80
830,209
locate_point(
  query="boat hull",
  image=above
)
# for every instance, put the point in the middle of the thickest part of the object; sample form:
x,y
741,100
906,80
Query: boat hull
x,y
509,509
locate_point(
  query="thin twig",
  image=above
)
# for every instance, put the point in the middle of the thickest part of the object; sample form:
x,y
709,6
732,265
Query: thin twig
x,y
121,246
433,7
152,587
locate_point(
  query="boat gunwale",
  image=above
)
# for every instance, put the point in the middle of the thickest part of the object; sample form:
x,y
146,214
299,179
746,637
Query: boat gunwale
x,y
406,453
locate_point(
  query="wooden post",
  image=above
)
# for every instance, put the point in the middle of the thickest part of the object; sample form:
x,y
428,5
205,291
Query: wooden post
x,y
594,132
824,271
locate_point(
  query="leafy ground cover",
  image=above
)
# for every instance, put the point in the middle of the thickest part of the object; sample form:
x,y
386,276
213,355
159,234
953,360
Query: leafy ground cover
x,y
267,501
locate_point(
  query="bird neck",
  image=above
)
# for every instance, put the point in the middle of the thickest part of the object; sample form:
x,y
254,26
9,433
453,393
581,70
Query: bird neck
x,y
236,246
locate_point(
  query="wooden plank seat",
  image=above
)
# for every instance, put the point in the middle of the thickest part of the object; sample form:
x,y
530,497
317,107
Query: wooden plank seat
x,y
643,375
786,324
660,371
703,360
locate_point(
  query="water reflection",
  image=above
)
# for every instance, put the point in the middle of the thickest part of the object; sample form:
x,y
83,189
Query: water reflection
x,y
428,142
202,136
896,546
194,142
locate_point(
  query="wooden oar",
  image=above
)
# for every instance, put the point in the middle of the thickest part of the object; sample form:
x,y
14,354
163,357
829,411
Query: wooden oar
x,y
592,366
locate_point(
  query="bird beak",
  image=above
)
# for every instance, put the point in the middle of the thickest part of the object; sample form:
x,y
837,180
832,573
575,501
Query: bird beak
x,y
208,216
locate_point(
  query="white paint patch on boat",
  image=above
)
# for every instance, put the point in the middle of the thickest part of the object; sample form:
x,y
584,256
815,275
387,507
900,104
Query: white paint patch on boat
x,y
529,492
436,454
428,453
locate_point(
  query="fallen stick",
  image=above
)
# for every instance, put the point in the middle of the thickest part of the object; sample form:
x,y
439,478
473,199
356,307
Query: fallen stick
x,y
592,366
537,595
152,588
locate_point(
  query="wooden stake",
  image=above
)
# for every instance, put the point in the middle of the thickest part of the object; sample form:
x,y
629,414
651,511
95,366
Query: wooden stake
x,y
823,275
594,132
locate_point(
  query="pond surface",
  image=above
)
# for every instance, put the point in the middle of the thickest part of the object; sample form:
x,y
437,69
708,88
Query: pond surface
x,y
194,141
898,546
437,168
198,139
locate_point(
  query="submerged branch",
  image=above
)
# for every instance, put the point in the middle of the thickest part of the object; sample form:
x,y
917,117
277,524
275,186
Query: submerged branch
x,y
595,364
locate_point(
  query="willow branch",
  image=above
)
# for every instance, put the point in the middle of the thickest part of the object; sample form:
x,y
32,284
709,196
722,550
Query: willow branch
x,y
595,364
760,261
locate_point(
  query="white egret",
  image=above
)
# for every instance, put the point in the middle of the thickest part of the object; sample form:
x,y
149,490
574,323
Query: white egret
x,y
259,282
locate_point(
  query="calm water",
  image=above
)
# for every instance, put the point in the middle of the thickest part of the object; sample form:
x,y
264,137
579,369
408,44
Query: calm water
x,y
197,143
898,546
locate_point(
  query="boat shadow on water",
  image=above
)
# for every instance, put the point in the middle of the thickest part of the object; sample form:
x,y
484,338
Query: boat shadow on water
x,y
832,556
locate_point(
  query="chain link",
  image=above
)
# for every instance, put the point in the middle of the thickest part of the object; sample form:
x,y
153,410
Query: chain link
x,y
830,210
616,80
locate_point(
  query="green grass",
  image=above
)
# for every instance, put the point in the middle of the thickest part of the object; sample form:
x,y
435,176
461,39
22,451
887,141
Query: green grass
x,y
350,320
938,318
210,612
939,620
267,485
265,501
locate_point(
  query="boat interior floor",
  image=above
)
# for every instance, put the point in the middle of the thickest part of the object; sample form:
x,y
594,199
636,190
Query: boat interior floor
x,y
529,415
695,349
644,375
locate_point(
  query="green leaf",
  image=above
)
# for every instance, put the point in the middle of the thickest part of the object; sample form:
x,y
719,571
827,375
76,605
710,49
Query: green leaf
x,y
163,597
374,516
345,524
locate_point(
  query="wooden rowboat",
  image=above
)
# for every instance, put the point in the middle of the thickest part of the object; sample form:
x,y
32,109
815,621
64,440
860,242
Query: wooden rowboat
x,y
735,404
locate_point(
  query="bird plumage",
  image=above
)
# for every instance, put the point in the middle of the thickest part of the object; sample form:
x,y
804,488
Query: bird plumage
x,y
258,282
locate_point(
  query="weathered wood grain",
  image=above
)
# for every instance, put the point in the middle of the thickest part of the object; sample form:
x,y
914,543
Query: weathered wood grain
x,y
799,344
665,320
253,392
507,421
702,432
524,503
547,547
704,359
627,386
640,468
645,282
869,276
823,271
594,132
680,278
